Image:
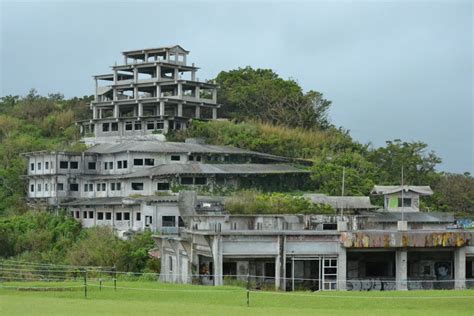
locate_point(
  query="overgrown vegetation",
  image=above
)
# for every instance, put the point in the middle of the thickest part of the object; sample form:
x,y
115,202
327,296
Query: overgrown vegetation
x,y
59,239
253,202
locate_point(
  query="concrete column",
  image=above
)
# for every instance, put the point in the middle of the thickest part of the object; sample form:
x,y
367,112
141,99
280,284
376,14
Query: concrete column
x,y
180,90
342,269
198,112
116,111
214,113
277,271
135,92
162,108
135,74
166,126
158,91
94,113
158,71
214,95
193,75
460,268
180,109
197,92
100,113
217,259
140,109
401,260
280,264
157,110
176,74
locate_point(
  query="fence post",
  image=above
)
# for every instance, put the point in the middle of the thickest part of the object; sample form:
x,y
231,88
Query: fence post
x,y
115,278
248,290
100,285
85,283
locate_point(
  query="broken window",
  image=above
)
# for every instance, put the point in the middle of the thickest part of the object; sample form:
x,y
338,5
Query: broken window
x,y
118,216
200,180
186,180
105,127
149,162
114,127
175,157
74,165
168,221
108,216
163,186
91,165
138,162
137,186
126,216
138,216
128,126
32,167
74,187
100,216
63,164
405,202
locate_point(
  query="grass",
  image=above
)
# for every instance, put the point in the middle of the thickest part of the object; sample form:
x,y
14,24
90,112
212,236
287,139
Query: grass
x,y
148,297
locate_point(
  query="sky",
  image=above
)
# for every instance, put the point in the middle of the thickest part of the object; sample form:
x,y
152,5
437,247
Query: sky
x,y
393,69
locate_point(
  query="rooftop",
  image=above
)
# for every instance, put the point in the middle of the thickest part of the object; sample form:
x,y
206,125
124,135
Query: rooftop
x,y
389,189
347,202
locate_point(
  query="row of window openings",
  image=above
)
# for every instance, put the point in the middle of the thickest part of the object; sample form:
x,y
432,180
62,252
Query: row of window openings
x,y
114,186
131,126
119,216
46,166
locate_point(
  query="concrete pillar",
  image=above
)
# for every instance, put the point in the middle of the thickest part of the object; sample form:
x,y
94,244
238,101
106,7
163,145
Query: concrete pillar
x,y
401,262
214,95
198,112
175,77
180,109
180,90
100,113
116,111
135,74
197,92
214,113
217,259
158,71
135,92
140,109
280,264
158,91
342,269
277,272
94,113
460,268
96,89
193,75
162,108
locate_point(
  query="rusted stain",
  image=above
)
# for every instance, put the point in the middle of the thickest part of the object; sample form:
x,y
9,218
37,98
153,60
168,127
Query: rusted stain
x,y
370,239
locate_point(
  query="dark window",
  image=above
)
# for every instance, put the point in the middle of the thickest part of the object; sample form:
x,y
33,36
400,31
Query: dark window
x,y
170,260
138,126
139,216
108,216
86,187
118,216
74,187
191,158
114,127
105,127
32,188
125,164
150,125
63,164
91,165
137,186
91,214
160,125
78,214
200,180
175,157
84,214
180,222
32,166
100,216
128,126
103,186
119,164
329,226
198,158
60,186
98,187
163,186
118,186
168,221
111,165
106,165
149,162
138,162
112,186
186,180
39,165
406,202
39,187
377,269
46,165
126,216
74,165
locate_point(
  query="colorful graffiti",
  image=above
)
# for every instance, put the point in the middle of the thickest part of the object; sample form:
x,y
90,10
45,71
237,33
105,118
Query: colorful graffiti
x,y
423,239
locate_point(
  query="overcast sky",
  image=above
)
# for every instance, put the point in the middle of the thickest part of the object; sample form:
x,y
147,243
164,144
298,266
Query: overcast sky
x,y
400,69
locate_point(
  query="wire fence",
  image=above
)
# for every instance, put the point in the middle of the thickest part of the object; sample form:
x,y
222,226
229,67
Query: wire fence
x,y
27,276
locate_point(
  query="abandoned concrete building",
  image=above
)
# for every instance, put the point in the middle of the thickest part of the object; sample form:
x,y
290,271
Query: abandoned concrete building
x,y
128,157
152,92
132,179
366,250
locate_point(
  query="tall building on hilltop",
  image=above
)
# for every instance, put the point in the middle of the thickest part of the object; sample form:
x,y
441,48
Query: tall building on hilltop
x,y
152,92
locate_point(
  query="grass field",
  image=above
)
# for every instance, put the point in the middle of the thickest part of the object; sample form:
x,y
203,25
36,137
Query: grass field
x,y
142,298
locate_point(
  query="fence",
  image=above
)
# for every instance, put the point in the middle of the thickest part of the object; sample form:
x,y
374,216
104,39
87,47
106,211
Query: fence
x,y
47,277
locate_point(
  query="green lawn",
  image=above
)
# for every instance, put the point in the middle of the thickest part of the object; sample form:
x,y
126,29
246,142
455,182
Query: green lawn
x,y
142,298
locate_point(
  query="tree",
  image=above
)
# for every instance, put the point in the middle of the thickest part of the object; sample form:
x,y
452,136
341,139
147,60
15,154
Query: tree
x,y
455,193
260,94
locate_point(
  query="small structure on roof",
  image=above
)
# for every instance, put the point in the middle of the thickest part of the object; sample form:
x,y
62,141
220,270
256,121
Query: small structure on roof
x,y
399,198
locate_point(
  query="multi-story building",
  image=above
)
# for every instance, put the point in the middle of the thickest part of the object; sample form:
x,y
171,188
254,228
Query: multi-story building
x,y
147,97
152,92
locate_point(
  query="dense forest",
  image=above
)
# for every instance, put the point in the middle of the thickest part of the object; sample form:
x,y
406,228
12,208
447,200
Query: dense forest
x,y
263,112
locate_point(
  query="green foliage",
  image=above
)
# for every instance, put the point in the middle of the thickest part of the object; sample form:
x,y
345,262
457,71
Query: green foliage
x,y
455,193
252,202
31,123
248,93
